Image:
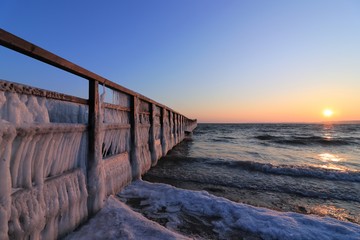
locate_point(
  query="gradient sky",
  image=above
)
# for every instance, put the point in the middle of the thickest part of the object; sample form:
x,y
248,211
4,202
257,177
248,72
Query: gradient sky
x,y
214,60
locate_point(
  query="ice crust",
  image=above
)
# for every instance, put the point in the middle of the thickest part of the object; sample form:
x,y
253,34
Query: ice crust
x,y
67,112
116,116
117,221
144,157
41,151
49,211
118,172
167,202
18,109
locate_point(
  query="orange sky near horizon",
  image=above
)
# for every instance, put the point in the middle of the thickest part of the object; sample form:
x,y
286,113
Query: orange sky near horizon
x,y
301,107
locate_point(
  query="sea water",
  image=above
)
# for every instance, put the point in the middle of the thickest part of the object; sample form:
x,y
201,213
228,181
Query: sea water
x,y
303,168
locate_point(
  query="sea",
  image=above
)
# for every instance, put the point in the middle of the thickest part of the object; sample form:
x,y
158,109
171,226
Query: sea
x,y
303,168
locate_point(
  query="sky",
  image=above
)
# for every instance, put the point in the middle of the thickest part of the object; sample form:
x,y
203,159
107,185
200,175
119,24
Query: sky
x,y
217,61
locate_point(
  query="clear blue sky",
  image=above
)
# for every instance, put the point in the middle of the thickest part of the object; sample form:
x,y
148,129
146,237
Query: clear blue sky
x,y
226,61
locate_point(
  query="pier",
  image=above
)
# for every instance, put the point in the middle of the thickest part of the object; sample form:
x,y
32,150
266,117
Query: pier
x,y
61,155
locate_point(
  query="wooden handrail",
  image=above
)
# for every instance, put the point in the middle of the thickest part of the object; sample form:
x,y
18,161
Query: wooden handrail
x,y
20,45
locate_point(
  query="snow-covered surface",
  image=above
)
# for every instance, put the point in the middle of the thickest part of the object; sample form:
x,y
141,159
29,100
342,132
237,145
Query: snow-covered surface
x,y
226,218
118,221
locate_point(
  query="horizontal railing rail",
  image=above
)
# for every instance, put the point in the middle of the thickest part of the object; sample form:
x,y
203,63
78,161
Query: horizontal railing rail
x,y
20,45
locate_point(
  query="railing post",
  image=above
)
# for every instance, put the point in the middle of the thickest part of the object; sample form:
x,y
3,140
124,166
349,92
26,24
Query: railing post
x,y
177,129
181,128
152,146
164,143
134,121
95,171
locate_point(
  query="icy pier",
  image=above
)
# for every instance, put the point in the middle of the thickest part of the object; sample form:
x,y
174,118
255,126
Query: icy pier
x,y
61,156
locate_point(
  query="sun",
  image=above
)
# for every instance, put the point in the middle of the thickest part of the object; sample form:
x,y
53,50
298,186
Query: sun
x,y
328,112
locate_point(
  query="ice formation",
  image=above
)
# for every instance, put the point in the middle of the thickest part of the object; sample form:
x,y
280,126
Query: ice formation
x,y
51,210
117,221
144,157
120,99
67,112
42,187
116,116
7,135
15,110
39,111
156,136
48,184
118,172
36,155
116,141
227,218
166,133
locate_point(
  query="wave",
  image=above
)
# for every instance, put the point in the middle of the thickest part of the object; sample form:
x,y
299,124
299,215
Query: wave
x,y
292,170
302,181
224,139
307,140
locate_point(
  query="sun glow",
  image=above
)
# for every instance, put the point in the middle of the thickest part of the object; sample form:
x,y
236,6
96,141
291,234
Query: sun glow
x,y
328,112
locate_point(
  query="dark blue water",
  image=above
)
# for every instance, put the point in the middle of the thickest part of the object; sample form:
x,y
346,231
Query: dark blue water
x,y
306,168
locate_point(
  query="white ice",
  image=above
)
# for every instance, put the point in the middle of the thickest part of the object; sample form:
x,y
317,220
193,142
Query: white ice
x,y
118,221
227,217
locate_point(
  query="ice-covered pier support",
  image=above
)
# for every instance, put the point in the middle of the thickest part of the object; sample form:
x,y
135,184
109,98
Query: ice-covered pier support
x,y
61,156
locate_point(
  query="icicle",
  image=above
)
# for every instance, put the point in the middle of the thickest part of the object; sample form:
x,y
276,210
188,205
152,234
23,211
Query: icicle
x,y
2,108
101,105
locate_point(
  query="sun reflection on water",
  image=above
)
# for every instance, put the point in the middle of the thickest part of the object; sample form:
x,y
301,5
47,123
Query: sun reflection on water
x,y
330,159
333,167
328,136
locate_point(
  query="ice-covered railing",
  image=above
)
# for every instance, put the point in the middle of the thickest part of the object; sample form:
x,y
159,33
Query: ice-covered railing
x,y
62,155
190,125
43,188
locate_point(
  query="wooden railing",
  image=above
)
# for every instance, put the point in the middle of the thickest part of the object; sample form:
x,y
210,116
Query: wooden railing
x,y
162,127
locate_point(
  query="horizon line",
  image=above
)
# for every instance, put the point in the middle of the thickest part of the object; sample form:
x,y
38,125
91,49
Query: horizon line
x,y
318,122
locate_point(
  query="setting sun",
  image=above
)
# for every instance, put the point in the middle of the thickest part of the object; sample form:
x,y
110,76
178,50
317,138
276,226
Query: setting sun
x,y
328,113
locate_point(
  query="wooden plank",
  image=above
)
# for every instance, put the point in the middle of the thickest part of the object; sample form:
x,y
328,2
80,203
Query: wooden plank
x,y
145,113
116,126
116,107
